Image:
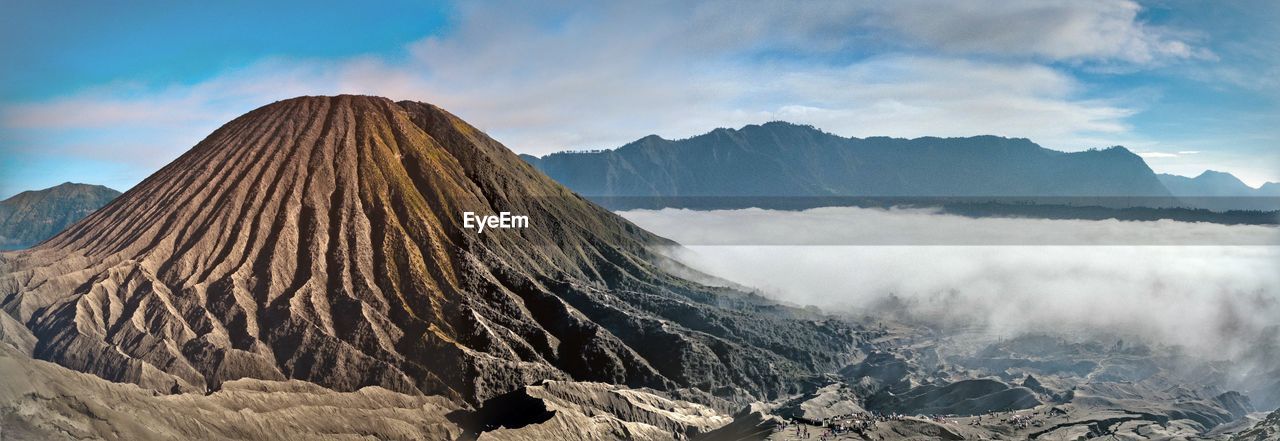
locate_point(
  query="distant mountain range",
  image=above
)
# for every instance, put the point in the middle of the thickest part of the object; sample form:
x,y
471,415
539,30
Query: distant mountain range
x,y
33,216
1213,183
790,160
1216,190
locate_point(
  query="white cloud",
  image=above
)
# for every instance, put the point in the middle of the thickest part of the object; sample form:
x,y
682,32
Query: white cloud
x,y
1210,288
1166,155
925,226
1161,155
915,96
1255,166
1088,30
543,78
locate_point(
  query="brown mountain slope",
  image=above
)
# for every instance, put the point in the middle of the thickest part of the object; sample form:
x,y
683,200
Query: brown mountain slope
x,y
321,239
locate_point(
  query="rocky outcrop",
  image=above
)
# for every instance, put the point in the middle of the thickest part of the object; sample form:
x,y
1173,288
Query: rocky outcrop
x,y
1236,404
965,397
322,239
1195,415
40,400
751,423
880,372
829,401
589,411
1265,430
893,383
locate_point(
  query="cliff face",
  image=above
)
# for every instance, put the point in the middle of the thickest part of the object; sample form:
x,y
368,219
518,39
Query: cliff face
x,y
322,239
33,216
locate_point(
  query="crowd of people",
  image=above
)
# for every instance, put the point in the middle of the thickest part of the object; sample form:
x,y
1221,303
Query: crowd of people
x,y
1023,421
1016,420
829,428
861,423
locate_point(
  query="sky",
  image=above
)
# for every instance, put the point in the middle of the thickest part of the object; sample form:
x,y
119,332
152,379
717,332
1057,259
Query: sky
x,y
105,94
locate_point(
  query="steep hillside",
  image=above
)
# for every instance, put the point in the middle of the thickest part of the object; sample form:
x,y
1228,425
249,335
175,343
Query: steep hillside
x,y
322,239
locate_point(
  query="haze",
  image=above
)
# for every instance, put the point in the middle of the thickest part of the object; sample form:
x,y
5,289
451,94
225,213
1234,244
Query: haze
x,y
1217,297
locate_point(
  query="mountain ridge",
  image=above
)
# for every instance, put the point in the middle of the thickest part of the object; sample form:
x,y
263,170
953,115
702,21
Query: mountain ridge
x,y
785,159
32,216
1217,190
1210,183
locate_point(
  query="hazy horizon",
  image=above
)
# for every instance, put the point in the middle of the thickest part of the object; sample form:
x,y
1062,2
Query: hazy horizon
x,y
843,258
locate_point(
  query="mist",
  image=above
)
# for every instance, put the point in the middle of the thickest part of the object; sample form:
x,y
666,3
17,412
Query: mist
x,y
1210,289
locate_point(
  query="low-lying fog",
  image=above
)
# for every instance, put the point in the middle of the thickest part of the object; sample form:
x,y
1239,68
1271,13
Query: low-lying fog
x,y
1213,289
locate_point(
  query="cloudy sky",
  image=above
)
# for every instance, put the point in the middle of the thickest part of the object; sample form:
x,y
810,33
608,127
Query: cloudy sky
x,y
106,94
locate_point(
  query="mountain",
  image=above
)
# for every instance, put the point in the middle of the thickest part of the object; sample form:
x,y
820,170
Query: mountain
x,y
1209,183
1269,189
323,239
309,271
783,159
33,216
1216,190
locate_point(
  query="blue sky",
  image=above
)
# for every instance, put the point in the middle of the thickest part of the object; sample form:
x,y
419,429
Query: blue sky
x,y
107,94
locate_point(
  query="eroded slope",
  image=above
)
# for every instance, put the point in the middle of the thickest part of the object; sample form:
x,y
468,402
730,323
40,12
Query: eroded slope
x,y
320,239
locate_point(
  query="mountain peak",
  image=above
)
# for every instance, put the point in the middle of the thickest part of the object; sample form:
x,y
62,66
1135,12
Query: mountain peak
x,y
356,202
1222,179
1214,174
787,124
32,216
1215,190
78,185
325,239
1119,150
